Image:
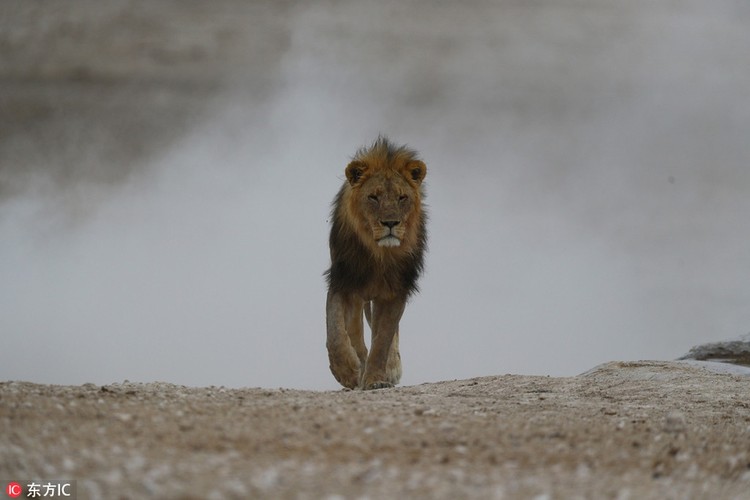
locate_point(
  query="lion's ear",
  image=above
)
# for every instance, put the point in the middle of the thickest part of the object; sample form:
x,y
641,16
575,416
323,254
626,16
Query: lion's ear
x,y
416,171
354,171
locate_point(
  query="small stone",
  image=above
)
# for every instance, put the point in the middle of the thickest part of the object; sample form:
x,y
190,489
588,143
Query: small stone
x,y
675,422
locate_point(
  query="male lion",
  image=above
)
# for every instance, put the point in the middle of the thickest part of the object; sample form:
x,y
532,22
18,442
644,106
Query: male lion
x,y
378,238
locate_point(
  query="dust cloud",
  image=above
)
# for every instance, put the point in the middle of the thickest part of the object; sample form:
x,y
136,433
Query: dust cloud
x,y
164,203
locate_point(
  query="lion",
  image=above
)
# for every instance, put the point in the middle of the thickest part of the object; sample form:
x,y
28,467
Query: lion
x,y
377,242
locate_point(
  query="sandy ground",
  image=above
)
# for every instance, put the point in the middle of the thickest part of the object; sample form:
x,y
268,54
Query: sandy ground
x,y
622,430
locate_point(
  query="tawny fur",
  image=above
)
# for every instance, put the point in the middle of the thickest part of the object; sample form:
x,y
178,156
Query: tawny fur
x,y
377,242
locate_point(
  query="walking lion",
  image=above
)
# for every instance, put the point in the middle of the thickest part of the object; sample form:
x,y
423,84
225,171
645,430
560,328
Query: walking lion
x,y
377,242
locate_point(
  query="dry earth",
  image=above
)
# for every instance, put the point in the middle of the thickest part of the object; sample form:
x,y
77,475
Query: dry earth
x,y
622,430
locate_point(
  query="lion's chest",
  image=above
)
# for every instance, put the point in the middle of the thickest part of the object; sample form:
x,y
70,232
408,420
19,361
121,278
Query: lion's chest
x,y
382,285
370,271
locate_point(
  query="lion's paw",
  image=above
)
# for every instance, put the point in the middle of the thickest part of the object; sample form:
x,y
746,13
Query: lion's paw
x,y
344,364
348,378
378,385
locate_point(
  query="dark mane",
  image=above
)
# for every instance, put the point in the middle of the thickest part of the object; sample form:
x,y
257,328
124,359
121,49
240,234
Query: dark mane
x,y
384,149
353,266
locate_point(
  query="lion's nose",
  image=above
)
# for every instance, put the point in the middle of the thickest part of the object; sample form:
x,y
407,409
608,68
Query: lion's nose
x,y
390,224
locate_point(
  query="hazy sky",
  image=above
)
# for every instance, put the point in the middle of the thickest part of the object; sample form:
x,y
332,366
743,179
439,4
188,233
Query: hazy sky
x,y
588,187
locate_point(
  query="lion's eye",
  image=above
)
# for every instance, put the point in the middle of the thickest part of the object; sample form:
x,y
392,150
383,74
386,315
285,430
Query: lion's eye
x,y
372,197
403,198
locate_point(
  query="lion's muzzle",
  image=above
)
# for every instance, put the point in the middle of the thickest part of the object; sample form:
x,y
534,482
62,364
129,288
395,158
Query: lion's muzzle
x,y
390,239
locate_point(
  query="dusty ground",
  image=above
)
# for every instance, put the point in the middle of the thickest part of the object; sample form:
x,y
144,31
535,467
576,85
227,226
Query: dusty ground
x,y
623,430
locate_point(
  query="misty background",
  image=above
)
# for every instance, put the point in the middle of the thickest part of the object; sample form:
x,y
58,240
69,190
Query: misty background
x,y
167,168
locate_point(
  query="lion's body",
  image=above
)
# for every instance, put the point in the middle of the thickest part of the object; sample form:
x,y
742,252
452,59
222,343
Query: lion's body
x,y
377,242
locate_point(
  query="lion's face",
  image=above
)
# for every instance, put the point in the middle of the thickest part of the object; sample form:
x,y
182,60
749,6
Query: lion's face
x,y
386,204
387,201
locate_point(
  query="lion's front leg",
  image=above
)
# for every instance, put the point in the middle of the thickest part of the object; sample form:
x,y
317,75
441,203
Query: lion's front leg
x,y
393,365
343,359
379,372
355,327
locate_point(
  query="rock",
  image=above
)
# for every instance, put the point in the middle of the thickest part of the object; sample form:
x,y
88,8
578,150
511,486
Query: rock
x,y
735,351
